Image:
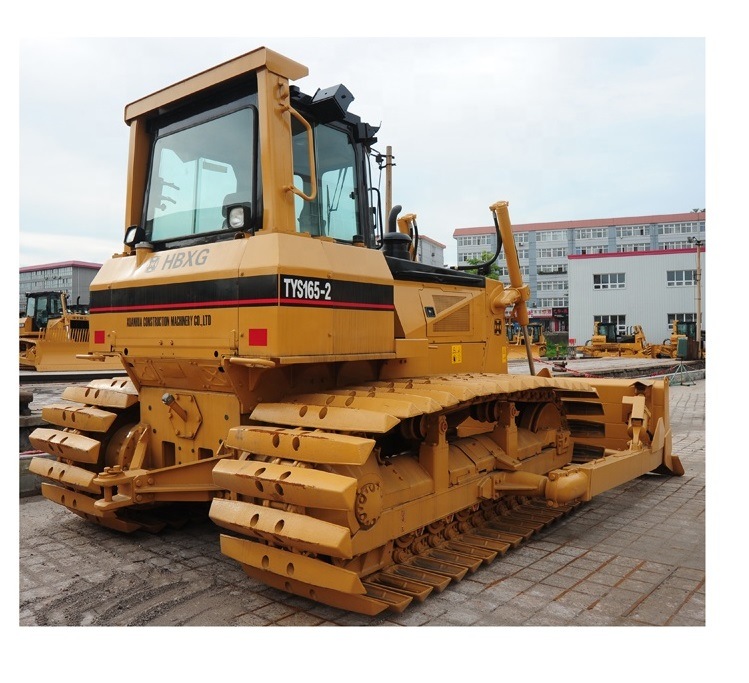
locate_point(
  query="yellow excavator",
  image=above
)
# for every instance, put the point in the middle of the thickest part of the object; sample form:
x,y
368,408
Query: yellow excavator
x,y
53,336
345,410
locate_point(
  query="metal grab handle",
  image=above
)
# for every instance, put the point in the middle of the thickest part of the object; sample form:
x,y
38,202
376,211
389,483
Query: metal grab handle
x,y
311,150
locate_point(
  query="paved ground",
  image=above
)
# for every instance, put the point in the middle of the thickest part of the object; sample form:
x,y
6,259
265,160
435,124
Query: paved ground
x,y
634,556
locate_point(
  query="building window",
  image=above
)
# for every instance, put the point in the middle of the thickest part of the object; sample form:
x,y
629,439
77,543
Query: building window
x,y
522,254
675,245
468,255
619,320
553,302
591,250
678,228
504,271
552,252
681,278
550,285
591,233
682,318
608,281
474,240
550,235
633,231
640,246
552,270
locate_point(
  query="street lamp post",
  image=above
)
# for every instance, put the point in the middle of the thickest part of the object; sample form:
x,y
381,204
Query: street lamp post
x,y
698,277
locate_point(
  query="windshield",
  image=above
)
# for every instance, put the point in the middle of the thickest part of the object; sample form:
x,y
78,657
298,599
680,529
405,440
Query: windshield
x,y
197,171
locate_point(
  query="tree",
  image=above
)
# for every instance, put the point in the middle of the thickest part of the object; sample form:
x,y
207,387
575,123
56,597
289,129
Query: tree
x,y
493,269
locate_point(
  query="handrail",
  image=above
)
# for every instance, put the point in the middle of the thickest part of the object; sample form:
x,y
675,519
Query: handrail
x,y
311,152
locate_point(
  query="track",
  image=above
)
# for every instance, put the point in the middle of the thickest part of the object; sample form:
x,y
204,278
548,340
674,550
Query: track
x,y
317,513
363,498
73,573
449,552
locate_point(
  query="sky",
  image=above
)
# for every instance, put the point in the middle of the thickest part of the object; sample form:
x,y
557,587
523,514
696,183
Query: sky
x,y
562,128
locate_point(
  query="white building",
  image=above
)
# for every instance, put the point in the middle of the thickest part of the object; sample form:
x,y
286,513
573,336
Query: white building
x,y
657,243
72,277
430,251
650,289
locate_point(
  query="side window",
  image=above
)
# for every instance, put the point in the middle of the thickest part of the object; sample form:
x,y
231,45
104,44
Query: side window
x,y
333,212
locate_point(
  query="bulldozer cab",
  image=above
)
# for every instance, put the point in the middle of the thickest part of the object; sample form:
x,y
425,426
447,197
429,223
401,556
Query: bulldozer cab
x,y
535,331
515,333
686,329
606,331
214,169
41,307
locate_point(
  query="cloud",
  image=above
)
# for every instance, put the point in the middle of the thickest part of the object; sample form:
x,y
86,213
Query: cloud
x,y
50,247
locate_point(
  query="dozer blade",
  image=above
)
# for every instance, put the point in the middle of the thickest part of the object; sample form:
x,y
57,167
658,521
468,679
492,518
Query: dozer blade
x,y
62,356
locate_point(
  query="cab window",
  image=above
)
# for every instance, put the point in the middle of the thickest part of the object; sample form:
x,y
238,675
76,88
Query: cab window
x,y
334,211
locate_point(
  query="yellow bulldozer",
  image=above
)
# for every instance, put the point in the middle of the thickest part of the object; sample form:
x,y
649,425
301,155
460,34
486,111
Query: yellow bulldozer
x,y
516,347
609,340
53,336
682,343
345,411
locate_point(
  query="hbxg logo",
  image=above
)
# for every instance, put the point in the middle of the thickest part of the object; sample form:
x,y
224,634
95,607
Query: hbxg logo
x,y
180,259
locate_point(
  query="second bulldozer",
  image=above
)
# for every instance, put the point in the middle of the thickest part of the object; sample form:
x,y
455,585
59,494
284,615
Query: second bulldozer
x,y
345,410
54,336
608,340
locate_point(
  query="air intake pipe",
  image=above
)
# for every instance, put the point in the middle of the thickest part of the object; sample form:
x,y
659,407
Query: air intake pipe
x,y
395,243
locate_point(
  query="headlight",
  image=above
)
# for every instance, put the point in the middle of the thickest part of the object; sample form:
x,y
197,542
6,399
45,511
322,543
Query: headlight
x,y
236,217
133,235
